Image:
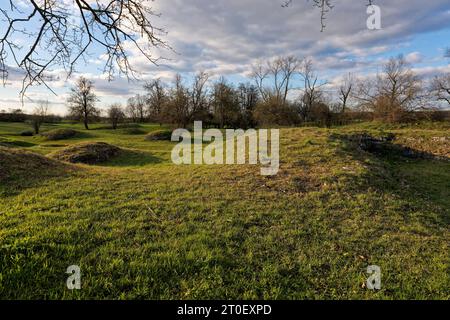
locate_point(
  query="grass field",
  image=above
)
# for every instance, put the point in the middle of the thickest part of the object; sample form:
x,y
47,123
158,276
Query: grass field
x,y
142,228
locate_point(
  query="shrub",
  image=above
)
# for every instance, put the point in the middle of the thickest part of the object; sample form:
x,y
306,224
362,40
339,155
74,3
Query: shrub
x,y
160,135
60,134
275,112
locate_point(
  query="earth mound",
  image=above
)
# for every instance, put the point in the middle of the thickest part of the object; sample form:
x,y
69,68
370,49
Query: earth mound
x,y
87,153
18,164
160,135
59,134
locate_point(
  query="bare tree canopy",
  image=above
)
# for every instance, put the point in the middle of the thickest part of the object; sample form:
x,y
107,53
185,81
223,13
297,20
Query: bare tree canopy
x,y
156,96
281,72
61,32
312,93
441,88
82,101
395,92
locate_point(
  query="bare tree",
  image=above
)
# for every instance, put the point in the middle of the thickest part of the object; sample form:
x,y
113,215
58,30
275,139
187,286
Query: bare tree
x,y
82,101
115,115
312,93
394,92
259,74
225,103
441,88
132,110
198,93
157,97
346,90
57,40
281,71
137,105
39,115
248,98
176,110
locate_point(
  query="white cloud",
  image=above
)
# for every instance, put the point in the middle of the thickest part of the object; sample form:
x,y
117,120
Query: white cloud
x,y
414,57
227,36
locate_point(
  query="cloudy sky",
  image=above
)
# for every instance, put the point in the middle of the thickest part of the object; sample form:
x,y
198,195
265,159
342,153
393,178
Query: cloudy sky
x,y
225,37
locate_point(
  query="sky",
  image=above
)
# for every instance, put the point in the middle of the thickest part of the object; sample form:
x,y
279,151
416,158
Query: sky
x,y
225,37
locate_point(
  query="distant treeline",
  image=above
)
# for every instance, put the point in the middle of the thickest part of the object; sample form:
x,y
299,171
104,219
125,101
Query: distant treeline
x,y
286,91
18,115
333,119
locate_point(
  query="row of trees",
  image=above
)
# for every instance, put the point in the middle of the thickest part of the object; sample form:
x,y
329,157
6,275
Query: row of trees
x,y
271,98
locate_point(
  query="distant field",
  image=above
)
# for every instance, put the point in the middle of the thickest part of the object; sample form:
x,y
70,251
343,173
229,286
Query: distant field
x,y
142,228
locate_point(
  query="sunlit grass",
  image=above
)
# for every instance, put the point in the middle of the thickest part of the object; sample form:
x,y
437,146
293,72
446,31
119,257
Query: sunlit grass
x,y
141,227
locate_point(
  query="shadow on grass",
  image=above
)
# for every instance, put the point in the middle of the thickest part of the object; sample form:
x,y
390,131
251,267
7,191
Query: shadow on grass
x,y
383,147
421,178
131,158
21,169
16,143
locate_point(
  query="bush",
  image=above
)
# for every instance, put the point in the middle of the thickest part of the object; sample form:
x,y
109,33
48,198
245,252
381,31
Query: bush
x,y
160,135
275,112
27,133
87,153
60,134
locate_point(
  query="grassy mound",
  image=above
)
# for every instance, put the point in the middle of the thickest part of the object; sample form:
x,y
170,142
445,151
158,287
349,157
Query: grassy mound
x,y
160,135
60,134
88,153
132,131
17,164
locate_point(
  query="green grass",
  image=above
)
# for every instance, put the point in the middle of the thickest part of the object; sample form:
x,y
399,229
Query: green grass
x,y
142,228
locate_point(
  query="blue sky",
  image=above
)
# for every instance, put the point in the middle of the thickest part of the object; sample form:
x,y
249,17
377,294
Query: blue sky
x,y
227,37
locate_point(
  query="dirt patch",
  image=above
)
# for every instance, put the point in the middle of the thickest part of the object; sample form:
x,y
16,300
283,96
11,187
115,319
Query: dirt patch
x,y
87,153
305,184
